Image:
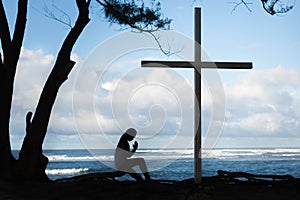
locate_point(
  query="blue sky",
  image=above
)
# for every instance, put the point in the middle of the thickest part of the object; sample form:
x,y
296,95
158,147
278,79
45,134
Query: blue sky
x,y
261,107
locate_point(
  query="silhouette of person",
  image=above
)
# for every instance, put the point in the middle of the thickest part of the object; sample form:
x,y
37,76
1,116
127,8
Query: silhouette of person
x,y
123,160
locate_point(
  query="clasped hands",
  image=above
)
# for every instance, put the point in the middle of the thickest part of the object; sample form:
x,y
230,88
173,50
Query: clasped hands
x,y
135,146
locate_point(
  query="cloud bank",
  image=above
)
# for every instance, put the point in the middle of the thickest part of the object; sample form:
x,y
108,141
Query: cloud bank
x,y
159,102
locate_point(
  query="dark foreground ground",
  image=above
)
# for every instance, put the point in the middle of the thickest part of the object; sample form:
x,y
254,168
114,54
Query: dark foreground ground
x,y
105,188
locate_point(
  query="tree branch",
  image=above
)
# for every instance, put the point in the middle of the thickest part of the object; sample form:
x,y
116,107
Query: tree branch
x,y
4,31
242,2
168,51
20,26
1,62
28,121
64,18
81,22
139,17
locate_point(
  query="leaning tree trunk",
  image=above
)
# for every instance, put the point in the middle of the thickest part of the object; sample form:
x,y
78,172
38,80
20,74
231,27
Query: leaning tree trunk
x,y
32,163
6,158
11,49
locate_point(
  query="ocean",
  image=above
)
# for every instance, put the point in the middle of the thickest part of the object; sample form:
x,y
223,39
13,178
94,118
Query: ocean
x,y
177,164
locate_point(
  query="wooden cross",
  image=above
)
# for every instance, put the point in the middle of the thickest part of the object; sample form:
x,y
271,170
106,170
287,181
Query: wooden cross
x,y
197,65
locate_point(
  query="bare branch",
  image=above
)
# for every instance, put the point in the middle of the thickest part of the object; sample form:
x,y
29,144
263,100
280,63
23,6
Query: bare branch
x,y
242,2
81,21
167,52
59,16
64,18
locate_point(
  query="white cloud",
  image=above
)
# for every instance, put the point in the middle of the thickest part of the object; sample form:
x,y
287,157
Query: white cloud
x,y
264,103
33,69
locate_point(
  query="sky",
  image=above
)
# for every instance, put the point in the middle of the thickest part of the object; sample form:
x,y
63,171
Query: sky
x,y
108,91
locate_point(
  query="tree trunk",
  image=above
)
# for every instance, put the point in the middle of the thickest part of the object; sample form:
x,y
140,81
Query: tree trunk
x,y
6,158
32,163
8,64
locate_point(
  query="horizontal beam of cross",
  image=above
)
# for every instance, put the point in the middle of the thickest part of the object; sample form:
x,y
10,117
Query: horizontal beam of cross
x,y
184,64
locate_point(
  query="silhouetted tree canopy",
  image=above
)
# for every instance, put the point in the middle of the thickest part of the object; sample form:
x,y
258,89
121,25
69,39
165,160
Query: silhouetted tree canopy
x,y
135,14
277,6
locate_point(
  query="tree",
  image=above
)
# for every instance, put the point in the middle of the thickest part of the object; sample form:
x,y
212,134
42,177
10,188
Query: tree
x,y
32,163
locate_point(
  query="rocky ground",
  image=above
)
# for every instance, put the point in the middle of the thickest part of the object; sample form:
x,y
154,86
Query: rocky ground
x,y
99,187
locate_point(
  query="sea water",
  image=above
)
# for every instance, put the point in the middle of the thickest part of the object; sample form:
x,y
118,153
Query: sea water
x,y
177,164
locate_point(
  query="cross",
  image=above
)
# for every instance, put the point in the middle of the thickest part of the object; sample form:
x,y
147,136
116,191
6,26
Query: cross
x,y
197,65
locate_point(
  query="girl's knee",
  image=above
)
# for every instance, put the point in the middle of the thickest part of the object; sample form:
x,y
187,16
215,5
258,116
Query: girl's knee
x,y
142,160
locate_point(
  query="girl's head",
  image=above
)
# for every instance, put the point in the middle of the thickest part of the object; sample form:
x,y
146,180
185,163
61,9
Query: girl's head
x,y
130,134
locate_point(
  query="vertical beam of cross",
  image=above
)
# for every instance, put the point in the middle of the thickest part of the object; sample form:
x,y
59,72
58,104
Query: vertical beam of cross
x,y
197,86
197,65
